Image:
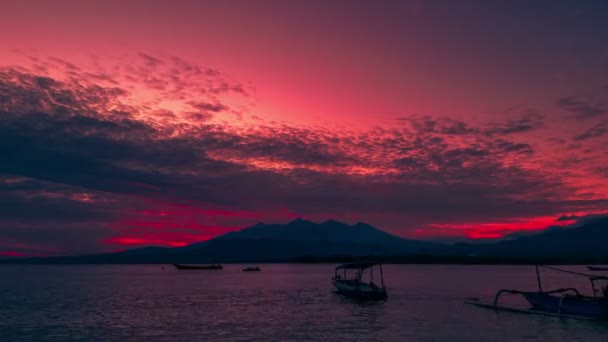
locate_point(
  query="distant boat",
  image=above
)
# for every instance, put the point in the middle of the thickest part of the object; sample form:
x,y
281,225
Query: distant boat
x,y
348,280
198,267
251,269
597,268
564,302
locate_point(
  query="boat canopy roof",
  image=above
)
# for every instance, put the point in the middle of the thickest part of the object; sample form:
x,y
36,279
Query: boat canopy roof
x,y
357,265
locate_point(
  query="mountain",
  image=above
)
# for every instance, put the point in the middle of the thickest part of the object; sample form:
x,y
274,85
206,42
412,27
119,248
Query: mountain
x,y
330,231
301,237
587,239
584,241
270,242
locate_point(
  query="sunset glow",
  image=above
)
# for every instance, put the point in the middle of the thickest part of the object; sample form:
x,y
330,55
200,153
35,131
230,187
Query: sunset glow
x,y
116,131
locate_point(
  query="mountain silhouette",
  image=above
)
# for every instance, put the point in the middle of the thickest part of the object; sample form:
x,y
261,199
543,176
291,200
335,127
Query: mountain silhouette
x,y
329,231
270,242
302,237
585,240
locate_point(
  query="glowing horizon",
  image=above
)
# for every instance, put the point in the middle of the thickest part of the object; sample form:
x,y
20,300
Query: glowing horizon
x,y
177,132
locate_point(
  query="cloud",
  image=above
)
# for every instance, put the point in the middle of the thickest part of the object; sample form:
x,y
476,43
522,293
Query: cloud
x,y
593,132
530,121
567,218
581,108
439,125
150,61
208,107
90,153
509,146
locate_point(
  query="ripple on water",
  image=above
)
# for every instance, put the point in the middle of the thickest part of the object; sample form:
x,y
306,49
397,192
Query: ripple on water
x,y
284,302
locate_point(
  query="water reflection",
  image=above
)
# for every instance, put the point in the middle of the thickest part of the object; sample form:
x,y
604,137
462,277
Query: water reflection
x,y
284,302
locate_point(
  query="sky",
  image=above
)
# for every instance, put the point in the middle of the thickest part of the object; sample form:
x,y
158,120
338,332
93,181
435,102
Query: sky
x,y
128,123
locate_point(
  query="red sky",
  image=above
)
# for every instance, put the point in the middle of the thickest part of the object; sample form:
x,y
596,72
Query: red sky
x,y
171,122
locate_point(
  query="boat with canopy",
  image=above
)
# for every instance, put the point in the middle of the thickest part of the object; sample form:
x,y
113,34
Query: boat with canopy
x,y
563,302
356,280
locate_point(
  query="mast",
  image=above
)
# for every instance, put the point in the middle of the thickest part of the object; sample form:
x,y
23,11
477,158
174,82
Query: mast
x,y
540,285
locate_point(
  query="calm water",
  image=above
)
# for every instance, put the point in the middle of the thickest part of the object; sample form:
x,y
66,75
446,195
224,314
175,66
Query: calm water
x,y
283,302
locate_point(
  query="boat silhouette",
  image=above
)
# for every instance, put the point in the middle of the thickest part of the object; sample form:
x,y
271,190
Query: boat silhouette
x,y
348,281
198,267
597,268
251,269
563,302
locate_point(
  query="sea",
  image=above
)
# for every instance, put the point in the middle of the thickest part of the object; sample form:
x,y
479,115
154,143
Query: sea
x,y
283,302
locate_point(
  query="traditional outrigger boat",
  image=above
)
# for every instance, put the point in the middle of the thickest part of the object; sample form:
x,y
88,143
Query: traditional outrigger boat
x,y
198,267
597,268
349,281
564,302
251,269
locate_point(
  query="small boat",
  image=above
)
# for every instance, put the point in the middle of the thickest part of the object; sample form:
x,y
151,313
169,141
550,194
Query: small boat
x,y
251,269
198,267
348,281
564,302
597,268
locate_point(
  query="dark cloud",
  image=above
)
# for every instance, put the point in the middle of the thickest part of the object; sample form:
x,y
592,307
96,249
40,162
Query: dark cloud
x,y
439,126
519,148
89,159
44,206
208,107
581,108
593,132
530,121
567,218
150,61
63,63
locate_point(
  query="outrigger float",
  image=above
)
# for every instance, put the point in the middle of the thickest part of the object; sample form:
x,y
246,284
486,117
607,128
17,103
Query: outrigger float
x,y
564,302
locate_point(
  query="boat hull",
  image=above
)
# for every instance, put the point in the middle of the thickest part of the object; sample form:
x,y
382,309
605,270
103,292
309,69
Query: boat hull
x,y
359,290
568,305
196,267
494,306
597,268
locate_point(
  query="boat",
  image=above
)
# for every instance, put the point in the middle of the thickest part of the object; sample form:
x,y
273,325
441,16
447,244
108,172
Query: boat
x,y
349,281
597,268
251,269
198,267
563,302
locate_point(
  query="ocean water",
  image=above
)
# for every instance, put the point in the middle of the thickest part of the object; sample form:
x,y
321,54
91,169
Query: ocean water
x,y
284,302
